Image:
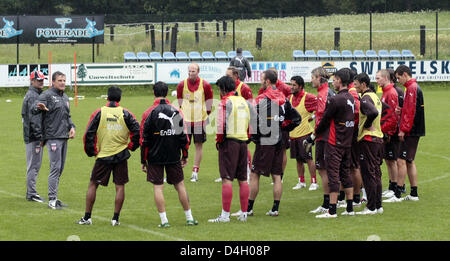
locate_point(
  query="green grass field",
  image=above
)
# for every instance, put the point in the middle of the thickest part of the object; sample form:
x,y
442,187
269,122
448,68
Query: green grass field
x,y
280,37
21,220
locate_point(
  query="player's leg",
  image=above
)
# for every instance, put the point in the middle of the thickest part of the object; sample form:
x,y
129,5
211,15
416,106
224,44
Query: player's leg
x,y
34,154
301,175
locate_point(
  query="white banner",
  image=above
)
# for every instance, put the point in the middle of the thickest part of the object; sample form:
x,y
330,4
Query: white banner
x,y
18,75
173,73
113,74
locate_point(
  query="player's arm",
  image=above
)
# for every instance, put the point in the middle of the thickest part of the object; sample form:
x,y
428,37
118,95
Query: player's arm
x,y
249,68
41,104
208,97
180,88
330,110
408,111
292,117
145,135
90,135
134,128
368,108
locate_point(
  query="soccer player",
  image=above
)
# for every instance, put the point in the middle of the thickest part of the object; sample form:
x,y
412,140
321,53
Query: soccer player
x,y
195,96
275,113
57,128
389,126
32,134
233,122
319,80
106,138
412,127
164,145
370,139
338,123
305,103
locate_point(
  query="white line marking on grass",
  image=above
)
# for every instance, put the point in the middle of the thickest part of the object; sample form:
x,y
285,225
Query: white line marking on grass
x,y
434,155
434,179
134,227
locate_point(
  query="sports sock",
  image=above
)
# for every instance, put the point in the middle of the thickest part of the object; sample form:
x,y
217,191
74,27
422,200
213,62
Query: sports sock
x,y
87,215
356,198
398,191
350,205
163,218
244,191
341,195
188,214
116,216
326,201
313,180
276,205
250,205
332,209
392,185
227,196
414,192
301,179
195,169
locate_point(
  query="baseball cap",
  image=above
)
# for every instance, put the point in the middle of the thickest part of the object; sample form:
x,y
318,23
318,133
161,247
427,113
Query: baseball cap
x,y
38,75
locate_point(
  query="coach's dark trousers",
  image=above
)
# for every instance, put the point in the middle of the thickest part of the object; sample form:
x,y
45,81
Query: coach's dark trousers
x,y
371,156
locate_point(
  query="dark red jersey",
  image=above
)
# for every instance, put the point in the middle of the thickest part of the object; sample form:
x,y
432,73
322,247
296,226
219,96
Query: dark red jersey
x,y
412,121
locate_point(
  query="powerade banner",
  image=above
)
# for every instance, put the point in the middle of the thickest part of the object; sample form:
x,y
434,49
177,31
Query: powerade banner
x,y
9,29
53,29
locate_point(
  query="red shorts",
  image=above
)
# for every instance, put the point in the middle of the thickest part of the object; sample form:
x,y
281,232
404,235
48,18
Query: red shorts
x,y
174,172
102,172
268,159
233,159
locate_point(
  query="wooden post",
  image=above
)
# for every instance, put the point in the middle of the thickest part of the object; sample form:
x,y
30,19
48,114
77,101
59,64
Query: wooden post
x,y
234,35
370,45
152,36
197,37
167,34
217,30
304,33
437,44
173,41
337,38
422,40
224,27
146,31
259,38
98,49
111,32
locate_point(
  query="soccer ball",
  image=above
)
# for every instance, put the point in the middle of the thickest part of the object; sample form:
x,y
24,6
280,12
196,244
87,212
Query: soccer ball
x,y
174,93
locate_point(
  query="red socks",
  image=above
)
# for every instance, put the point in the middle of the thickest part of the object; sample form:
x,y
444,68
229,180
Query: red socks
x,y
302,179
195,169
227,196
244,192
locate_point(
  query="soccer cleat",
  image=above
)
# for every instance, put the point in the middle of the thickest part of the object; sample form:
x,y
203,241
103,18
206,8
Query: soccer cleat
x,y
165,225
363,200
341,204
242,217
411,198
194,177
380,210
250,213
345,213
114,222
54,204
35,198
272,213
236,214
367,211
59,202
299,186
313,186
220,219
388,194
191,222
357,205
82,221
218,180
319,209
326,215
392,199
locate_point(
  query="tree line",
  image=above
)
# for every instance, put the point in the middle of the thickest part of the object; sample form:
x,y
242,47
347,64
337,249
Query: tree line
x,y
120,11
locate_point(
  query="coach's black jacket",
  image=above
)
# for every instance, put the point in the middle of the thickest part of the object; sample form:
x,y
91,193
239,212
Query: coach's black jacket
x,y
90,136
163,134
56,123
32,123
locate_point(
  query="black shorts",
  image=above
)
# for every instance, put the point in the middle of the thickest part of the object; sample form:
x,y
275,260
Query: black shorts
x,y
233,160
174,172
285,140
102,172
338,167
355,155
267,159
198,132
320,155
392,148
408,148
298,152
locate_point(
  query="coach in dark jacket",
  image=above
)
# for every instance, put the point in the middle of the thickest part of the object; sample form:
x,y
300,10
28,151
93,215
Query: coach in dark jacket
x,y
32,134
57,129
241,63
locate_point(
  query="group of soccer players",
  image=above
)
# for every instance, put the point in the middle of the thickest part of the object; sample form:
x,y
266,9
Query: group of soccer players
x,y
354,130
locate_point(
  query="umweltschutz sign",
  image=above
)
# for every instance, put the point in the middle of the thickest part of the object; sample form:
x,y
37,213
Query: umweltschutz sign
x,y
113,74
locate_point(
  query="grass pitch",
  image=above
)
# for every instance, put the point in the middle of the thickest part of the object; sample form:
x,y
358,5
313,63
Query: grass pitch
x,y
20,220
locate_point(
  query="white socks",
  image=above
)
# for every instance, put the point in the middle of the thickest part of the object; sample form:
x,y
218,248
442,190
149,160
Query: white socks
x,y
188,214
163,218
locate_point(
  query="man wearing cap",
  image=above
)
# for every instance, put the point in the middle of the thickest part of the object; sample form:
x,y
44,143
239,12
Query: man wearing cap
x,y
32,134
57,128
242,64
